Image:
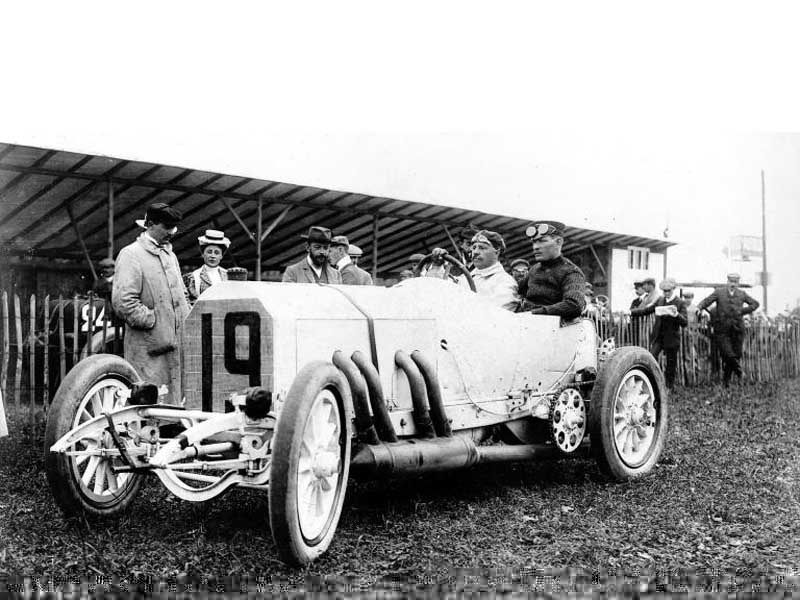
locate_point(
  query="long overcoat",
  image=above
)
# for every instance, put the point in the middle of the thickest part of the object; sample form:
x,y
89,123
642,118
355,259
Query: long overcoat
x,y
149,295
666,329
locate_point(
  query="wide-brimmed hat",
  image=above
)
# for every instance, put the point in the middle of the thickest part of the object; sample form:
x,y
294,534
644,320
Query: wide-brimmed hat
x,y
106,262
354,250
539,229
160,213
214,237
416,257
340,240
319,235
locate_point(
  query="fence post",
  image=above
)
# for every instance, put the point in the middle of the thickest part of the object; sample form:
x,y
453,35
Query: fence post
x,y
18,370
62,344
90,325
76,330
46,389
32,359
6,345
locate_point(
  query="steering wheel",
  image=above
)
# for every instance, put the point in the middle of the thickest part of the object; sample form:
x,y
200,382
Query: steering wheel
x,y
453,261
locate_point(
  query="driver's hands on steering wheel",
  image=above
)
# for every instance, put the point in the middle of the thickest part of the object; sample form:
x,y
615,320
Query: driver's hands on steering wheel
x,y
437,256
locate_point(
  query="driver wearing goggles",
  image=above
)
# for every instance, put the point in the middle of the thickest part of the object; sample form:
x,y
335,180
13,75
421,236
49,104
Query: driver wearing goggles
x,y
491,279
555,285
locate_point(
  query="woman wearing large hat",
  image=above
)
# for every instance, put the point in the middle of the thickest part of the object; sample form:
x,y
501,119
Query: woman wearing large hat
x,y
212,246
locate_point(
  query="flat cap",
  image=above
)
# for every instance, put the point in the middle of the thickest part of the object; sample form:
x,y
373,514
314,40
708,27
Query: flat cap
x,y
539,229
734,277
354,250
649,280
416,257
668,284
106,262
467,233
520,261
340,240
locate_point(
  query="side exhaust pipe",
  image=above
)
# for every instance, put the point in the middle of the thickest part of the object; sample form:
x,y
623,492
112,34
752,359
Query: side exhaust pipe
x,y
358,389
414,457
419,395
438,414
380,414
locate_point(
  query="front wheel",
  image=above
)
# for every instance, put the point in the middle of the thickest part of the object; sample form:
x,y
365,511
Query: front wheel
x,y
86,483
310,463
628,414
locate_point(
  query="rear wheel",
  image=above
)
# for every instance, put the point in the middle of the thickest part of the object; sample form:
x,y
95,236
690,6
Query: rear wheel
x,y
88,484
310,463
628,414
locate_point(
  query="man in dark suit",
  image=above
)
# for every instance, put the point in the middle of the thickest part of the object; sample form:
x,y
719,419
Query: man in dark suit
x,y
339,258
728,324
670,312
314,267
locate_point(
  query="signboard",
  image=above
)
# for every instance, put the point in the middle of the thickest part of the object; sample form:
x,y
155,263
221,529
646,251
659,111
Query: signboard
x,y
745,248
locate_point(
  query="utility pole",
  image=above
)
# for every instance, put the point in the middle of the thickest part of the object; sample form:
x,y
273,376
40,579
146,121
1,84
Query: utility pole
x,y
764,280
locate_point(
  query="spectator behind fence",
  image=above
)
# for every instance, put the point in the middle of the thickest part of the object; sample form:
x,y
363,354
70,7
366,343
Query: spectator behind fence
x,y
340,259
728,324
691,308
314,267
104,284
213,245
638,290
519,270
555,285
670,311
650,293
148,293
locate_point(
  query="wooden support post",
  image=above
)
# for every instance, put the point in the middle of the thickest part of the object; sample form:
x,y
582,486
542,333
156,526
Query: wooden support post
x,y
110,219
81,241
375,247
599,262
236,216
276,222
258,239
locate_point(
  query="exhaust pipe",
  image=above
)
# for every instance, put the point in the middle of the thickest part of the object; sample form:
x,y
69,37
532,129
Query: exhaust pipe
x,y
419,395
358,389
438,414
413,457
383,423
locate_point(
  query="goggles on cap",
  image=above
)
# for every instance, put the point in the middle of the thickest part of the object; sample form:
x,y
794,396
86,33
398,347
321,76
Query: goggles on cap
x,y
479,237
541,229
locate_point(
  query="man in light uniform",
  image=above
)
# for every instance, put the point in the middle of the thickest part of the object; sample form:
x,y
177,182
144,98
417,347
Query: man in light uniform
x,y
491,279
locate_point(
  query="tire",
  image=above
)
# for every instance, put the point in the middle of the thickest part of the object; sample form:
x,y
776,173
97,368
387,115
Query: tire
x,y
297,477
67,476
627,436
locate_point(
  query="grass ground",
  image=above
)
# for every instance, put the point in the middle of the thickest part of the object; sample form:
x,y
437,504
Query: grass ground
x,y
725,496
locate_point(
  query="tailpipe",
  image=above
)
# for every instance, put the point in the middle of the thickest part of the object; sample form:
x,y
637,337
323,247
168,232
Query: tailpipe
x,y
419,394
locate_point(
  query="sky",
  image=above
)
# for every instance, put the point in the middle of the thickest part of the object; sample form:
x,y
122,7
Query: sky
x,y
616,117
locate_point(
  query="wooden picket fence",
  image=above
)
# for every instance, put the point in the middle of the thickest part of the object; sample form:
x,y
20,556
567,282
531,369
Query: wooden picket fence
x,y
42,339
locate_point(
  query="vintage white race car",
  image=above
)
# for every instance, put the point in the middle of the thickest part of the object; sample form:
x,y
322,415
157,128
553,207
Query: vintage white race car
x,y
293,388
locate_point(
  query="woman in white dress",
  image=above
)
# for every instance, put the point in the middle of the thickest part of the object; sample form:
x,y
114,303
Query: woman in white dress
x,y
212,247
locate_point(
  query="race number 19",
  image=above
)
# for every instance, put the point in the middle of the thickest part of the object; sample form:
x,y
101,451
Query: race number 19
x,y
241,326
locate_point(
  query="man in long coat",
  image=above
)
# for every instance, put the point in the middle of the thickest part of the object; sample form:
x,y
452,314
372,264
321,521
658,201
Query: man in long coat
x,y
670,312
314,267
351,273
728,323
149,294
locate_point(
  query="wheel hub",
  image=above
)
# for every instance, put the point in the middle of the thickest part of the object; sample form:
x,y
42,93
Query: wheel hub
x,y
635,418
325,464
568,420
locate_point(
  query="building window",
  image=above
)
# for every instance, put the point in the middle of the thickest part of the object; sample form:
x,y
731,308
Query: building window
x,y
638,258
